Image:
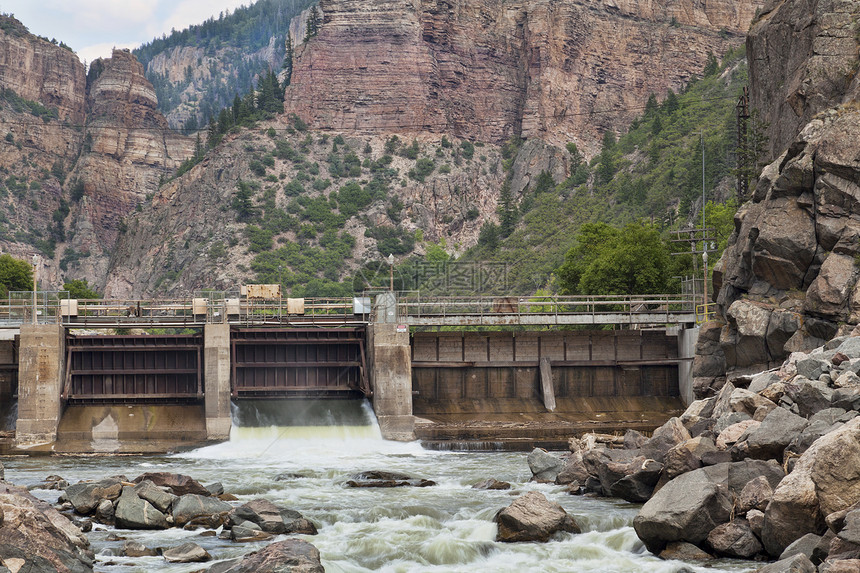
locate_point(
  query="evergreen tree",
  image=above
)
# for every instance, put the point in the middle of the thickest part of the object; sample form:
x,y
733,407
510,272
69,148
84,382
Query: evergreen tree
x,y
670,104
712,66
651,106
313,23
288,60
606,160
507,210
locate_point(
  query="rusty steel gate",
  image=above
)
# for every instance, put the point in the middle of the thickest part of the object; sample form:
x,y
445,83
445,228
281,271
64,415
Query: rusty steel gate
x,y
129,368
298,362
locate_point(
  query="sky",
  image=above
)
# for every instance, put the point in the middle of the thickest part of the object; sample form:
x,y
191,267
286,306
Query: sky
x,y
92,28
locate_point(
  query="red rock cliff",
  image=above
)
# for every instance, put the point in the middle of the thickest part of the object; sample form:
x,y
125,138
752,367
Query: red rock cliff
x,y
487,69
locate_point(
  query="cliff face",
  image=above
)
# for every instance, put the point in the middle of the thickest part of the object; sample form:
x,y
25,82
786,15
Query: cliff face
x,y
130,148
76,158
803,60
38,70
489,70
789,279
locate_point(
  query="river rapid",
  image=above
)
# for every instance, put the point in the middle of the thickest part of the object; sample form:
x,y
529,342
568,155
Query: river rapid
x,y
447,528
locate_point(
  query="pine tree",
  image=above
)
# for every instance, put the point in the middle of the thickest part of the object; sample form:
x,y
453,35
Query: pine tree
x,y
313,23
288,60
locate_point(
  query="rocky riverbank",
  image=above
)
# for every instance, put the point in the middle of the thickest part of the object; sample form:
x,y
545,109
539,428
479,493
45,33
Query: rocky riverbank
x,y
767,469
36,537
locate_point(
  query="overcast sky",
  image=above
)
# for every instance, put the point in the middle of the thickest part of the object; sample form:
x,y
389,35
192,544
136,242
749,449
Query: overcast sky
x,y
93,27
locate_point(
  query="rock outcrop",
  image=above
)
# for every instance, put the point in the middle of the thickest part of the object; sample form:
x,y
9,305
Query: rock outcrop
x,y
489,70
38,70
36,537
130,148
788,279
793,489
803,60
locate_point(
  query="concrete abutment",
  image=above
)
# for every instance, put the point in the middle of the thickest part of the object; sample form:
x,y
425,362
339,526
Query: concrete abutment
x,y
216,381
391,375
40,377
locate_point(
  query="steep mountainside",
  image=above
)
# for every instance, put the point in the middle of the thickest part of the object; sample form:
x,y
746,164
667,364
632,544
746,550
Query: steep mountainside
x,y
488,70
788,280
199,70
129,149
304,209
77,153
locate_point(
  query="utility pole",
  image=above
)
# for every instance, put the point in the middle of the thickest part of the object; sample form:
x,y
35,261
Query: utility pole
x,y
704,243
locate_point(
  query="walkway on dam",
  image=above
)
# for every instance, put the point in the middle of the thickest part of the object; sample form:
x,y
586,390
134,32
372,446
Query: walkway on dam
x,y
410,309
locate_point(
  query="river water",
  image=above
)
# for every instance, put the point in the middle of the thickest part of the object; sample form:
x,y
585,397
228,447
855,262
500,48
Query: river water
x,y
447,528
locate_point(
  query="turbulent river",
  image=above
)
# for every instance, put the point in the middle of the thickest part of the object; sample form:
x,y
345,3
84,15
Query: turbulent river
x,y
445,528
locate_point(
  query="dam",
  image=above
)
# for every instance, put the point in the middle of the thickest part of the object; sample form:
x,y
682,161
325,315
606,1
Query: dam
x,y
499,373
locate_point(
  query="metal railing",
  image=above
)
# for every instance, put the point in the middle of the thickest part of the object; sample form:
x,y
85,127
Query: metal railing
x,y
411,308
547,310
705,312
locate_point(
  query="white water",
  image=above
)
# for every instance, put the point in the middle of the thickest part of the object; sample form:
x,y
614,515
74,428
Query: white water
x,y
445,528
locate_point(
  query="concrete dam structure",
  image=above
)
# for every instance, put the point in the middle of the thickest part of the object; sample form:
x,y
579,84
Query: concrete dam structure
x,y
68,392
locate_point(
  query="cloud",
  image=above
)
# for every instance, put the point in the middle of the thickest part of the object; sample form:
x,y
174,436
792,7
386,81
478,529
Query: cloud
x,y
101,15
90,53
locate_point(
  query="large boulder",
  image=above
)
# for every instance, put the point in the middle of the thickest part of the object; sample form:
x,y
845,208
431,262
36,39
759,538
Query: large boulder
x,y
186,553
155,495
690,506
734,539
685,509
200,510
631,481
686,456
179,484
533,517
773,435
573,471
86,496
825,479
133,512
271,518
664,439
290,556
38,536
376,478
795,564
544,465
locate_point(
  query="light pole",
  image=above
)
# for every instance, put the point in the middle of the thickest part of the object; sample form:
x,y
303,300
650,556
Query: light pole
x,y
391,272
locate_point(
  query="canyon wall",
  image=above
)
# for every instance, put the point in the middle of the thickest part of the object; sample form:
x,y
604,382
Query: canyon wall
x,y
130,148
489,70
789,279
803,60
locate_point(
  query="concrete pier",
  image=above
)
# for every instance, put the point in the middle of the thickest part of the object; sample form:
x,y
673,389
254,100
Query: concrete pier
x,y
216,368
687,338
40,378
391,373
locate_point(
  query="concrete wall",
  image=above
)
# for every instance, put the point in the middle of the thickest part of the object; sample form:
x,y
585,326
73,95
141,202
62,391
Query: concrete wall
x,y
40,378
686,349
216,381
391,379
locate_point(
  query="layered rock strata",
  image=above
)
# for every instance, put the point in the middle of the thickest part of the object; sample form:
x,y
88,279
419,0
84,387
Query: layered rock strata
x,y
130,148
489,70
